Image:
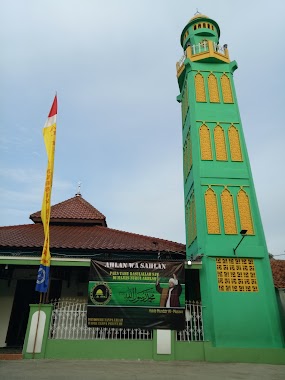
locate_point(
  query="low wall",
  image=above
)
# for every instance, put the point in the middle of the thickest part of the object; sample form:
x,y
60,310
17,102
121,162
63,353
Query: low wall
x,y
163,347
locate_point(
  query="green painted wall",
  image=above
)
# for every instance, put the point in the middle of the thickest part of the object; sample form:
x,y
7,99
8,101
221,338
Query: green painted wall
x,y
145,350
231,319
47,309
99,349
241,319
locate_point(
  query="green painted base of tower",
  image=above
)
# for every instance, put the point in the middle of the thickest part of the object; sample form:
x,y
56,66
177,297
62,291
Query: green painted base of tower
x,y
244,355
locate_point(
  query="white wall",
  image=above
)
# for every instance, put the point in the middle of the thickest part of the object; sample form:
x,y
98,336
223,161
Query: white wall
x,y
6,303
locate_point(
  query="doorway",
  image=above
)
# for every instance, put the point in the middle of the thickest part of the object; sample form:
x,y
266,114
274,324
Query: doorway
x,y
25,295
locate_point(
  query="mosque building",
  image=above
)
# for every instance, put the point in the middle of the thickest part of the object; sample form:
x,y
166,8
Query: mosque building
x,y
234,311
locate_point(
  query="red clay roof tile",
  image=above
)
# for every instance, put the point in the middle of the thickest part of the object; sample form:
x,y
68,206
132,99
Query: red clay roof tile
x,y
83,238
278,272
73,210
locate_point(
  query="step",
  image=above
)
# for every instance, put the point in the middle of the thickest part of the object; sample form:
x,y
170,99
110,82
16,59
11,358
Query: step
x,y
11,356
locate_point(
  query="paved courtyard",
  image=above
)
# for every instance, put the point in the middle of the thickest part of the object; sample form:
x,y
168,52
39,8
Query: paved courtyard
x,y
136,370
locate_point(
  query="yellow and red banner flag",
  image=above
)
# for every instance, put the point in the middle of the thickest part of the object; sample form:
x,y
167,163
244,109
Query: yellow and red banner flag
x,y
49,133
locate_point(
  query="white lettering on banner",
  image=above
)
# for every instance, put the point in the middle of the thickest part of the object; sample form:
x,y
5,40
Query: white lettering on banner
x,y
142,265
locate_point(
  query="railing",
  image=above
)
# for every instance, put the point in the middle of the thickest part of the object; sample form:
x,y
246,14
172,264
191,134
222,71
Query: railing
x,y
220,49
181,60
202,47
194,323
209,47
69,321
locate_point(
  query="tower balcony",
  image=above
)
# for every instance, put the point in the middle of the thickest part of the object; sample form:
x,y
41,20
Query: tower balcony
x,y
205,51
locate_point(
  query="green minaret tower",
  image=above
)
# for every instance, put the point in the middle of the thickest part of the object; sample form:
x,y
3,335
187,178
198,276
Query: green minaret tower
x,y
240,308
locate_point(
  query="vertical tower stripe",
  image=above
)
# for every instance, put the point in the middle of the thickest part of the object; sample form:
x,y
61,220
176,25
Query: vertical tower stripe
x,y
213,89
220,144
226,89
228,212
212,214
234,141
205,143
200,88
245,212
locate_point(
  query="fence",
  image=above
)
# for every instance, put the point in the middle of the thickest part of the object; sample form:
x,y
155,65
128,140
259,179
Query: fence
x,y
194,323
69,321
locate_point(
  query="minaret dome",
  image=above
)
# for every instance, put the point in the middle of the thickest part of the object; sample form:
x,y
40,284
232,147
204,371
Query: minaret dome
x,y
199,28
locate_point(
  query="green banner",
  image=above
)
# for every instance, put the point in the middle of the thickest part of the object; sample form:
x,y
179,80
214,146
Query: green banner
x,y
136,294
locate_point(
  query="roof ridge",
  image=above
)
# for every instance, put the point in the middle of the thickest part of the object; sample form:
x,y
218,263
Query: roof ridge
x,y
144,236
18,225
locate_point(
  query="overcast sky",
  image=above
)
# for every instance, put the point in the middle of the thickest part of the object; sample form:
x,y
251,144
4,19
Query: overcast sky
x,y
112,64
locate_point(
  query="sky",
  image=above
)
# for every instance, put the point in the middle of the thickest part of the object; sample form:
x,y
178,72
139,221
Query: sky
x,y
113,65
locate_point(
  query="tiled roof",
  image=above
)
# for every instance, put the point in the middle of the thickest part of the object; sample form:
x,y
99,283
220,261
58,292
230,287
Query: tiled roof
x,y
75,210
83,238
278,271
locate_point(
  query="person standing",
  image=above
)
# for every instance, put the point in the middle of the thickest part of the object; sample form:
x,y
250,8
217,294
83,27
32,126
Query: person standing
x,y
170,296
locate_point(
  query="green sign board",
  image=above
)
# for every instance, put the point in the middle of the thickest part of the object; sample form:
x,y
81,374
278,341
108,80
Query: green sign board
x,y
137,294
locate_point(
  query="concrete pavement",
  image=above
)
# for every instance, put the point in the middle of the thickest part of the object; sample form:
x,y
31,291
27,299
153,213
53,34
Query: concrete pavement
x,y
136,370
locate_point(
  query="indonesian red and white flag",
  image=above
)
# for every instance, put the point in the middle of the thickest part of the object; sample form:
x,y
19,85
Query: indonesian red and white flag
x,y
49,133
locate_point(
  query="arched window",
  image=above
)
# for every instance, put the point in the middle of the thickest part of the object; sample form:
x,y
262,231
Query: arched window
x,y
229,216
187,156
213,89
190,223
200,88
220,144
199,26
194,219
185,161
245,212
184,104
212,214
191,220
195,27
204,25
234,140
205,143
226,89
189,152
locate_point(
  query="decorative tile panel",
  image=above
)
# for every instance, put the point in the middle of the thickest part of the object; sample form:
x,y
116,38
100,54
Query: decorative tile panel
x,y
187,156
184,104
205,143
245,212
220,144
191,220
200,88
228,212
236,275
212,214
226,89
213,89
234,141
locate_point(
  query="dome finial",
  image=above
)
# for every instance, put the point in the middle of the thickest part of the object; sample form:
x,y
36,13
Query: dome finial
x,y
78,194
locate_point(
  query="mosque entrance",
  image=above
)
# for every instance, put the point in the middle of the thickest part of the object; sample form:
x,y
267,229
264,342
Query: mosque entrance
x,y
25,295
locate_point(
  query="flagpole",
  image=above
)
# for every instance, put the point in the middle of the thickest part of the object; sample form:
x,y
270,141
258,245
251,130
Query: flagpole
x,y
43,278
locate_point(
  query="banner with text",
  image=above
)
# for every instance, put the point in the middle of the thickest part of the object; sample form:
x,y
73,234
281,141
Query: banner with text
x,y
137,294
